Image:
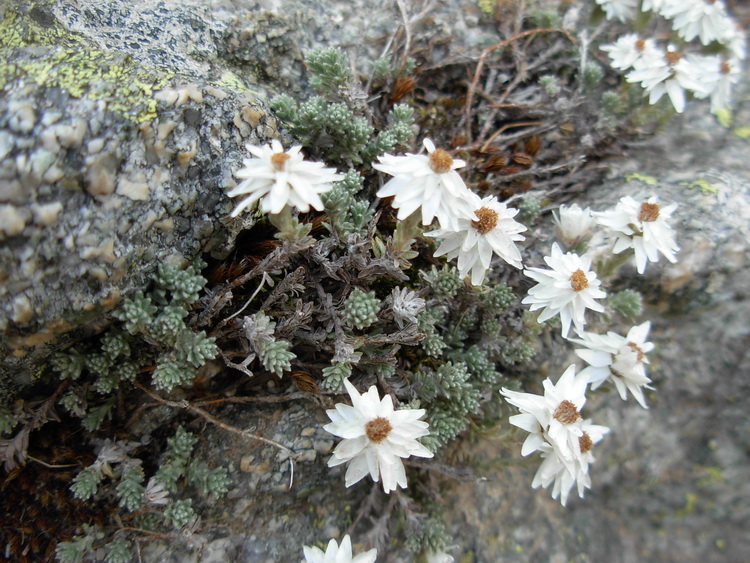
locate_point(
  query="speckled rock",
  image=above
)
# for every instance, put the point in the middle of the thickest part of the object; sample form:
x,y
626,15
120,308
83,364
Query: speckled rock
x,y
114,155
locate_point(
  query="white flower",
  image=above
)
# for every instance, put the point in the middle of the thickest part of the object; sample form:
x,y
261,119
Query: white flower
x,y
719,75
568,289
655,5
375,437
560,473
281,178
338,554
619,358
629,50
706,19
474,241
642,227
430,182
721,92
551,418
573,225
666,73
623,10
406,306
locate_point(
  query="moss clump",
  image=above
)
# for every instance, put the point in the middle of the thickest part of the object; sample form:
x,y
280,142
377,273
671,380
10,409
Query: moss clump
x,y
361,309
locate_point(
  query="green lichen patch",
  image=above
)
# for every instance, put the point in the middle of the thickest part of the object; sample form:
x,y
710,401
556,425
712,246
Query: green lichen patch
x,y
36,27
127,88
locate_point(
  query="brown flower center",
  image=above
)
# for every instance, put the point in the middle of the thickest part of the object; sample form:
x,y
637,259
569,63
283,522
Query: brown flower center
x,y
487,220
672,57
649,212
725,68
640,45
566,412
635,348
586,443
378,429
578,280
278,159
440,161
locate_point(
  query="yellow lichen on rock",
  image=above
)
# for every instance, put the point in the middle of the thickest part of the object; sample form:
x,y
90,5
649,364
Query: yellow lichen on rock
x,y
81,71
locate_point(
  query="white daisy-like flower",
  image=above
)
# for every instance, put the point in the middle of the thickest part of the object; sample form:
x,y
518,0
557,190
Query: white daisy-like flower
x,y
719,75
573,225
375,437
730,73
406,306
629,50
427,181
281,178
621,359
643,227
560,473
474,242
706,19
336,553
568,289
553,418
623,10
669,73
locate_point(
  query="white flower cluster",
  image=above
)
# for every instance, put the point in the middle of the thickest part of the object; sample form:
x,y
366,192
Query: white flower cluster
x,y
674,72
554,422
556,428
472,229
571,286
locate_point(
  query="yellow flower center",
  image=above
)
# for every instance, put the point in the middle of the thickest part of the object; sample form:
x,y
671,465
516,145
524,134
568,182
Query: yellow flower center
x,y
440,161
635,348
586,443
487,220
649,212
566,412
640,45
378,429
278,159
672,57
578,280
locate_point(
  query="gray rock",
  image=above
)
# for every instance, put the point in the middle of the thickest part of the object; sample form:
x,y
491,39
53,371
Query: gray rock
x,y
115,156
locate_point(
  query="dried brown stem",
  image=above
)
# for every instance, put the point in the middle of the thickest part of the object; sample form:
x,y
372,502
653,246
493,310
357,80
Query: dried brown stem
x,y
50,465
481,62
213,420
